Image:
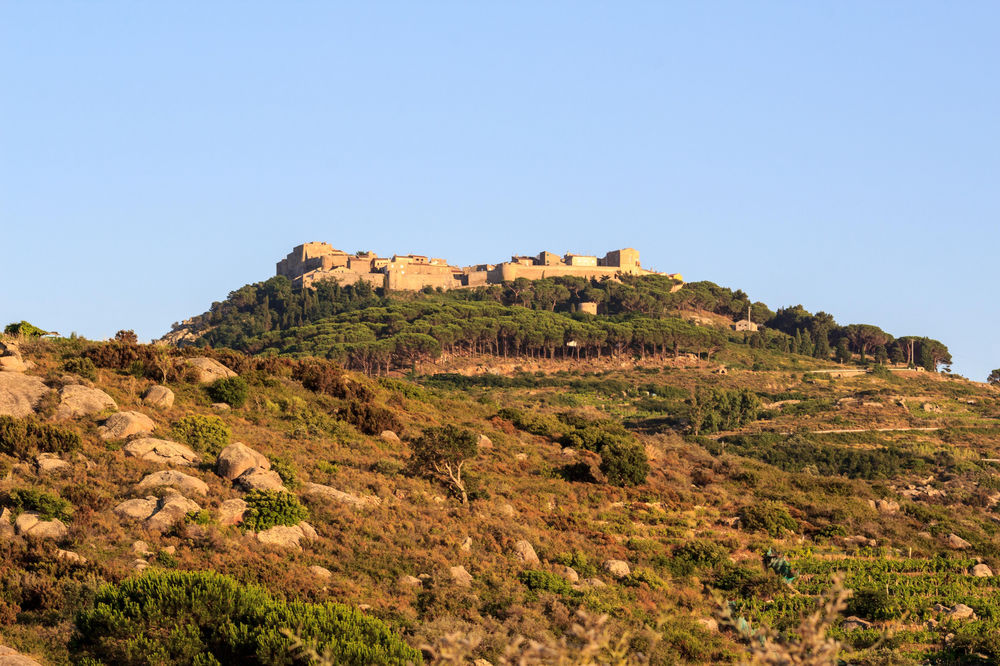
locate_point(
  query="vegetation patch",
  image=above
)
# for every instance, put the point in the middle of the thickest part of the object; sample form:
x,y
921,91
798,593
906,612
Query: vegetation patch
x,y
231,390
206,434
207,619
25,437
268,508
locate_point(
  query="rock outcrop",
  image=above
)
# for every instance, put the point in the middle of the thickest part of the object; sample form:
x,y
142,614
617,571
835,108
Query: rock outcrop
x,y
20,394
237,458
256,478
284,536
30,524
157,513
79,400
208,369
161,451
525,552
126,424
184,483
159,397
319,491
617,568
50,463
11,657
459,576
231,512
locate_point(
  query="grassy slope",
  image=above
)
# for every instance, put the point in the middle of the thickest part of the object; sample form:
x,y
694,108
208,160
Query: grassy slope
x,y
692,493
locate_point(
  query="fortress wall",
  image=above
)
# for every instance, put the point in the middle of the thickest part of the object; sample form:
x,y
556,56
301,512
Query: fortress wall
x,y
514,271
399,280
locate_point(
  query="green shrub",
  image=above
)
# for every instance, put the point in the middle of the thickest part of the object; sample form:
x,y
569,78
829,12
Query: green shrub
x,y
770,517
81,365
25,437
579,561
47,505
24,328
544,580
624,464
387,467
207,434
202,618
267,508
871,605
231,390
284,468
200,517
696,554
368,418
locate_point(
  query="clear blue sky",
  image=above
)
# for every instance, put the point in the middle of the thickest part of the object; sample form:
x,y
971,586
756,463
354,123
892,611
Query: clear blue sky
x,y
842,155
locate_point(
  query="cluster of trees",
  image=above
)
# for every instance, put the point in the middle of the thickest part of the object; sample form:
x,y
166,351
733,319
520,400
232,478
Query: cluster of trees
x,y
376,332
402,334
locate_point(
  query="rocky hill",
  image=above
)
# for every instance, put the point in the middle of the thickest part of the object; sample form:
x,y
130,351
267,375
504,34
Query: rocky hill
x,y
175,506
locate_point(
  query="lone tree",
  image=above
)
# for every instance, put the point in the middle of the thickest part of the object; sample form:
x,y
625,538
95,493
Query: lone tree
x,y
442,452
994,377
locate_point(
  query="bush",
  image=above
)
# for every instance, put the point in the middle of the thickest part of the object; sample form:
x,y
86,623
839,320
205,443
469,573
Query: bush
x,y
81,365
204,618
695,555
230,390
543,580
769,517
268,508
47,505
624,464
207,434
442,453
24,437
368,418
285,469
25,329
871,605
330,379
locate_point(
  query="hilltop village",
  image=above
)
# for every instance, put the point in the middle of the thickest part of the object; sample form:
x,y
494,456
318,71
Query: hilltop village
x,y
313,262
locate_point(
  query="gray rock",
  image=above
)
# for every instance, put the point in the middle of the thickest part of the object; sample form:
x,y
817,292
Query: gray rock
x,y
321,572
961,612
208,369
524,552
231,512
460,576
159,397
70,556
137,509
78,400
485,442
12,364
161,452
11,657
287,537
617,568
186,484
170,510
956,542
317,490
126,424
854,622
221,406
20,394
256,478
238,458
887,506
30,524
410,581
50,463
982,571
570,574
390,437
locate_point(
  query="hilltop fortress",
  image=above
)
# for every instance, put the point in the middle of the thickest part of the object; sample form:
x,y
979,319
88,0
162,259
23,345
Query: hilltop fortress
x,y
313,262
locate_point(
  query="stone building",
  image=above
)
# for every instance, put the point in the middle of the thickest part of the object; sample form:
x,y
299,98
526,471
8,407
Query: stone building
x,y
309,263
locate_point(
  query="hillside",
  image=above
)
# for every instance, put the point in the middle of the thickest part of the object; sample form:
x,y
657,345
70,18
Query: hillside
x,y
761,484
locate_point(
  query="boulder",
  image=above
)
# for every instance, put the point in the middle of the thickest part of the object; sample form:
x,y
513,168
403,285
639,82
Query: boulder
x,y
238,458
708,623
982,571
390,437
78,400
126,424
70,556
459,576
617,568
11,657
137,509
231,512
961,612
12,364
30,524
466,546
221,406
159,397
208,370
956,542
186,484
410,581
321,572
284,536
593,582
316,490
157,513
524,552
141,548
20,394
50,463
570,574
161,452
6,523
887,506
256,478
854,622
485,442
507,510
